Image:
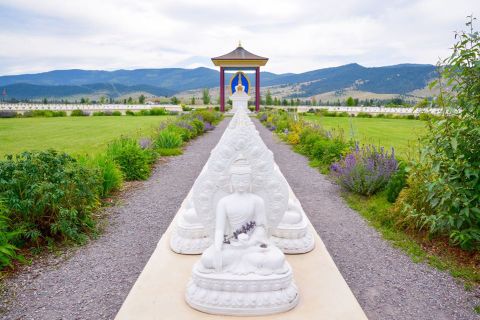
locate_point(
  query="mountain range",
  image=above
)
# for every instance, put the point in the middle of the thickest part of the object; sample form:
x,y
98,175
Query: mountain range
x,y
398,79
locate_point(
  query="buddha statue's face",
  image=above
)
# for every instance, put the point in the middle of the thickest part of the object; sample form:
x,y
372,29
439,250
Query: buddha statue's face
x,y
240,182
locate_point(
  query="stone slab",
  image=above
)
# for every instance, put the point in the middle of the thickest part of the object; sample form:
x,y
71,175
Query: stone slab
x,y
159,291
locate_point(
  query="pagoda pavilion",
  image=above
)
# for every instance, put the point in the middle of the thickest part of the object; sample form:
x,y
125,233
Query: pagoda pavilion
x,y
239,60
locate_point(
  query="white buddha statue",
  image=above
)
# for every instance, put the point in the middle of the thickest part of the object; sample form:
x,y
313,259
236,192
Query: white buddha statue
x,y
241,244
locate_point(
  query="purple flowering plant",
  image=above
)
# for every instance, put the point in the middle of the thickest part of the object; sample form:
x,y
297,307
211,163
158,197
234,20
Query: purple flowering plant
x,y
365,170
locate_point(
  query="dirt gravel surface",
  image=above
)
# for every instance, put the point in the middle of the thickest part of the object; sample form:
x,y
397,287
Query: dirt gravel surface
x,y
94,280
385,281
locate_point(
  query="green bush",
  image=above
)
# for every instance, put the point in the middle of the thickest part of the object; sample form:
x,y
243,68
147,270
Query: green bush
x,y
158,112
116,113
198,125
47,113
327,150
185,130
98,114
364,115
397,182
78,113
110,174
208,115
48,195
131,158
186,108
449,170
129,113
8,251
168,139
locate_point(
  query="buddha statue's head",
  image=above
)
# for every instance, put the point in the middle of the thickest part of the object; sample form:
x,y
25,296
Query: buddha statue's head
x,y
240,175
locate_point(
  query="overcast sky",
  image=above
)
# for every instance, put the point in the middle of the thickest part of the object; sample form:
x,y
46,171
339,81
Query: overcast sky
x,y
297,36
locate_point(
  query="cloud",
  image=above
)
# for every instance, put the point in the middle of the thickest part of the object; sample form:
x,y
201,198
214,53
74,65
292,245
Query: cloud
x,y
296,35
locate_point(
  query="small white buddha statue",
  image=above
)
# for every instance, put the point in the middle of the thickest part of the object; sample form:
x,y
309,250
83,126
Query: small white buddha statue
x,y
241,244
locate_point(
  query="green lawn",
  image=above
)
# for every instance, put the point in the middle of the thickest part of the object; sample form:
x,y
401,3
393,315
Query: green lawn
x,y
401,134
75,135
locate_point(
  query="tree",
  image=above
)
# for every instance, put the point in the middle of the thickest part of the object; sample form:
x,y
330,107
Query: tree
x,y
268,98
45,101
192,101
206,96
141,99
174,100
444,195
130,100
314,101
103,100
350,102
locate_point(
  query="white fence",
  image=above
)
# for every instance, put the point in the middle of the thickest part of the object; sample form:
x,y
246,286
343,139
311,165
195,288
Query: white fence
x,y
24,107
371,110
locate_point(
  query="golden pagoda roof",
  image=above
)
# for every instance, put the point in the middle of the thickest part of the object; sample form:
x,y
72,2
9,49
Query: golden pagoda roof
x,y
239,58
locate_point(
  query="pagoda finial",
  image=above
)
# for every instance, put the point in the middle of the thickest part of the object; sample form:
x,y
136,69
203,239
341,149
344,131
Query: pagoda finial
x,y
239,43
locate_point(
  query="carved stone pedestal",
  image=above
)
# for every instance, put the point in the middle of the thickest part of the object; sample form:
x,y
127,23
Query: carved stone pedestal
x,y
241,295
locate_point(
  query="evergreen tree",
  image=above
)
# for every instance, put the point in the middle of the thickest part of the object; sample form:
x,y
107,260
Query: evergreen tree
x,y
141,99
350,102
268,98
206,96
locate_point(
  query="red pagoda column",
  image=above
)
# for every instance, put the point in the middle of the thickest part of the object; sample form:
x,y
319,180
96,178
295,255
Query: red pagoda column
x,y
257,89
222,89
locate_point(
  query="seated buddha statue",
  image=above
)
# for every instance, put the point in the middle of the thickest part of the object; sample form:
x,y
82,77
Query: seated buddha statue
x,y
241,244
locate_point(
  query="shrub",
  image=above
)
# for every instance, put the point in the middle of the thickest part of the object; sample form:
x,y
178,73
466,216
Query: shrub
x,y
397,183
129,113
7,114
326,150
8,251
168,139
208,115
109,172
449,168
364,170
48,195
158,112
186,108
98,114
131,158
116,113
198,126
78,113
42,113
143,113
59,113
185,131
364,115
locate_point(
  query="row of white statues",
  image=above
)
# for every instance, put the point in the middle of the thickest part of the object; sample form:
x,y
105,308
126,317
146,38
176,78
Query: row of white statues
x,y
242,217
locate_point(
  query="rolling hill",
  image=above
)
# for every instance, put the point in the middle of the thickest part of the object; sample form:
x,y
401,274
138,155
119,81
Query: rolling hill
x,y
396,80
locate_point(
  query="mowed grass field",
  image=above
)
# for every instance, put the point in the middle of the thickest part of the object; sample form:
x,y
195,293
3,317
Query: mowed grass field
x,y
74,135
401,134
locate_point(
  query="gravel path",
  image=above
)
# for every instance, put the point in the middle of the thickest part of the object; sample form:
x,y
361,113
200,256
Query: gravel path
x,y
95,281
387,284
